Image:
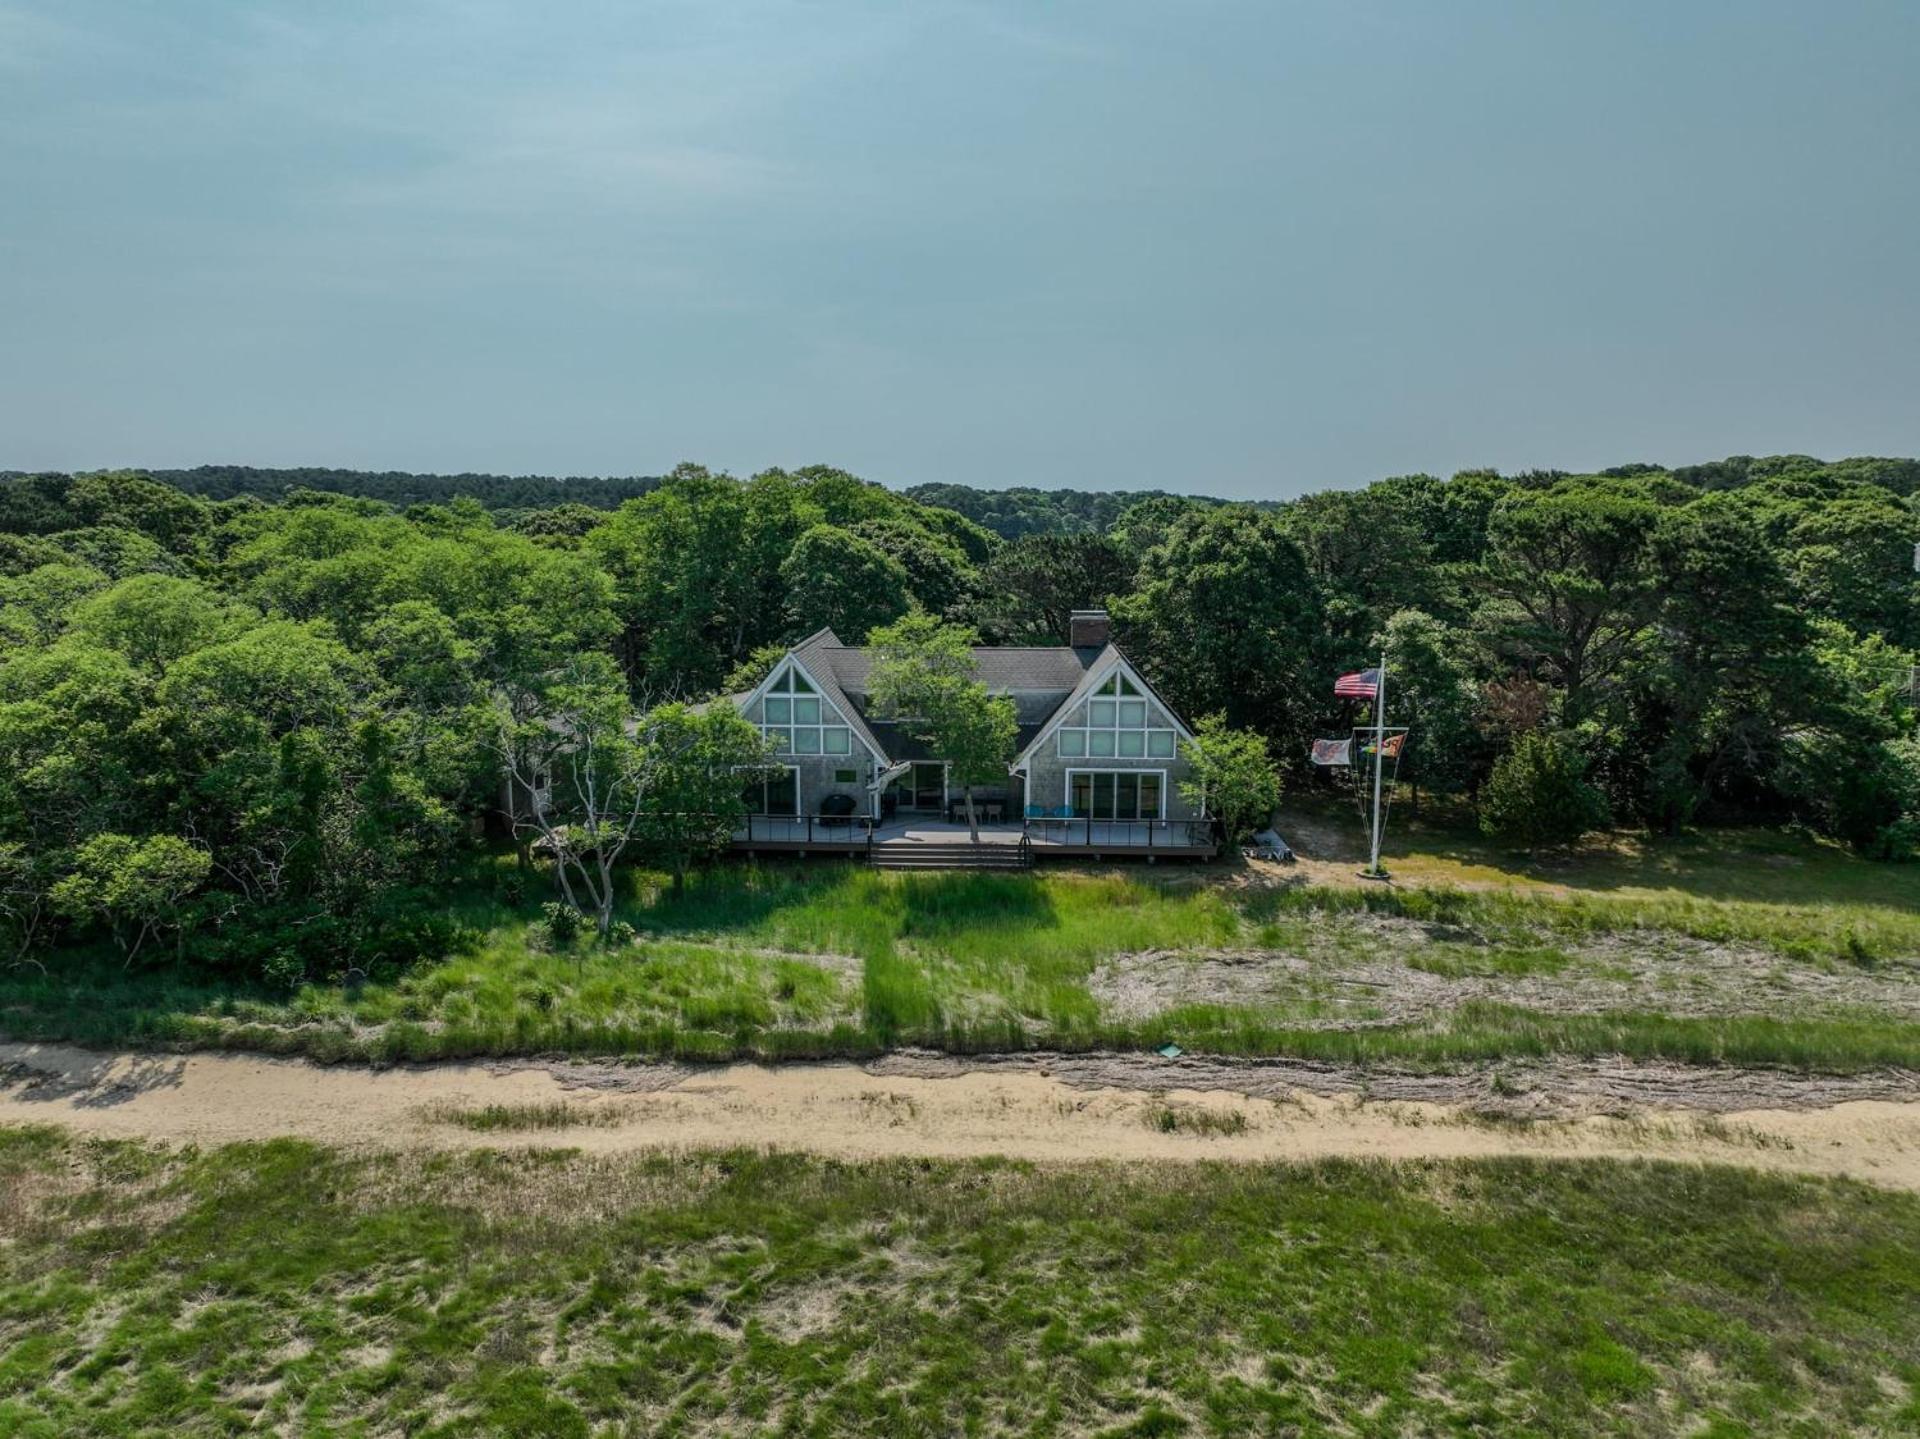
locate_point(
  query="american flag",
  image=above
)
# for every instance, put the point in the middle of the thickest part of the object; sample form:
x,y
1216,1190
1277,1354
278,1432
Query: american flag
x,y
1363,686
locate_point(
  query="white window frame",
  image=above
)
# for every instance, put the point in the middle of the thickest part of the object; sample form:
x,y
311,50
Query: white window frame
x,y
1119,664
1066,795
830,716
1146,729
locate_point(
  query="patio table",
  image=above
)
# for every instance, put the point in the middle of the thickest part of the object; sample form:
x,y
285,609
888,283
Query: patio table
x,y
991,811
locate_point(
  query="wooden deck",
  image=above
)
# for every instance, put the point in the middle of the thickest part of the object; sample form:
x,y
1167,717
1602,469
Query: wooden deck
x,y
1047,839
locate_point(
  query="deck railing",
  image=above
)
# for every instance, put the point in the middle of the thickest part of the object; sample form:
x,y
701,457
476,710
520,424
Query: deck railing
x,y
1090,833
853,831
1036,832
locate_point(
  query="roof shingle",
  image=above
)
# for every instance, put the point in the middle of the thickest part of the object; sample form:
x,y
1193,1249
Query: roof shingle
x,y
1038,678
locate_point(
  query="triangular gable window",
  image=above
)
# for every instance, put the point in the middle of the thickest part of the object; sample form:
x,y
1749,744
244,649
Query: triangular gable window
x,y
1116,722
800,720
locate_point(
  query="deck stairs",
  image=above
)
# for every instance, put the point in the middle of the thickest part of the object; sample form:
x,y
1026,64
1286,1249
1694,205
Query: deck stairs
x,y
951,854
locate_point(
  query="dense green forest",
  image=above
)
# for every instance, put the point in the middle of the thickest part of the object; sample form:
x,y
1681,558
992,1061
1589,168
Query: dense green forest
x,y
1015,513
398,487
248,729
1008,513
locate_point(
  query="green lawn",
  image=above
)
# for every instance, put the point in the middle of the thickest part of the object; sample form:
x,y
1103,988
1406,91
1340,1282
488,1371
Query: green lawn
x,y
1632,949
1772,867
283,1287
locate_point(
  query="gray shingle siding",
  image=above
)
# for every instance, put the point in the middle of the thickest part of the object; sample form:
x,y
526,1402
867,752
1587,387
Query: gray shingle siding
x,y
1048,768
1043,682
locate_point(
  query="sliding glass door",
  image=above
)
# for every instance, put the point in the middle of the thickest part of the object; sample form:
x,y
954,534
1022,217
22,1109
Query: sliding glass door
x,y
927,786
1115,794
778,793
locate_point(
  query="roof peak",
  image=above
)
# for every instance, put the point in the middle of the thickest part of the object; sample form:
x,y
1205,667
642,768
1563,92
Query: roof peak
x,y
839,644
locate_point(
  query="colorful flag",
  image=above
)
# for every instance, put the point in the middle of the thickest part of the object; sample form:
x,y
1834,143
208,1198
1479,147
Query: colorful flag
x,y
1363,686
1333,751
1391,749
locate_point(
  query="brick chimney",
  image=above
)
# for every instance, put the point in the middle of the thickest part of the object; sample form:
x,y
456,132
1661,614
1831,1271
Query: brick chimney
x,y
1089,629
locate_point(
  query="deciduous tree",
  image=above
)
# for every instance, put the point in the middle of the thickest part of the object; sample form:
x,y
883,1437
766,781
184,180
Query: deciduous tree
x,y
923,675
593,780
1032,586
835,579
134,886
1232,775
1226,618
1431,690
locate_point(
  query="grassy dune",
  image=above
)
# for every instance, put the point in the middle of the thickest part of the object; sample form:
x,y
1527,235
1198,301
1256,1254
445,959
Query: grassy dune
x,y
283,1287
826,959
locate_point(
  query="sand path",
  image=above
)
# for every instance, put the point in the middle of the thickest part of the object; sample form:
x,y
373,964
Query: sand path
x,y
924,1106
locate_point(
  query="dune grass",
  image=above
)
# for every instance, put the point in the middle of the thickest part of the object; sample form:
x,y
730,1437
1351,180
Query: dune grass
x,y
1443,848
519,1118
286,1288
827,959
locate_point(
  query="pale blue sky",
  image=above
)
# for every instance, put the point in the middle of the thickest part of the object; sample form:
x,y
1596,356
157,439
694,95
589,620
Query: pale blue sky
x,y
1247,249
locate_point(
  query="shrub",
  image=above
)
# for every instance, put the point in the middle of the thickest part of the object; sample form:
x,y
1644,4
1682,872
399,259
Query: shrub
x,y
284,970
1865,794
563,922
1896,782
137,888
1538,794
1899,840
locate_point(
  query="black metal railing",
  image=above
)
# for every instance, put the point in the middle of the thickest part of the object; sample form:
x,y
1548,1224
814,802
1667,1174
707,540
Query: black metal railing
x,y
1080,832
1087,832
854,831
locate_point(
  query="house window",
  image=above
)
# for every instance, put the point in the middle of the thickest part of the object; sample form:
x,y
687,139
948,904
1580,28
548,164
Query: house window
x,y
799,721
846,776
1116,723
1116,793
778,793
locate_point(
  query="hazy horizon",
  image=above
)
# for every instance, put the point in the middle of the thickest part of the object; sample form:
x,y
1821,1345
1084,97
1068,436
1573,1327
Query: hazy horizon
x,y
892,482
1245,250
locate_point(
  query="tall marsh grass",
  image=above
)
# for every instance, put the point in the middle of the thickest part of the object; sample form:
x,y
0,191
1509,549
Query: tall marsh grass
x,y
825,959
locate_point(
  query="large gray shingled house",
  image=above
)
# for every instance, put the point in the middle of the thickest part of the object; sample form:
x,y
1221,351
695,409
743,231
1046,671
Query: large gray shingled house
x,y
1095,741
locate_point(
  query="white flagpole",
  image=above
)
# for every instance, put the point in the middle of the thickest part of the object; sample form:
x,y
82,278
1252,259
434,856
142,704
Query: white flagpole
x,y
1379,757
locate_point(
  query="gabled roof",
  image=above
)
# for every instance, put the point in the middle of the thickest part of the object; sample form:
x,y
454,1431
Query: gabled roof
x,y
1098,673
815,656
1009,669
1044,682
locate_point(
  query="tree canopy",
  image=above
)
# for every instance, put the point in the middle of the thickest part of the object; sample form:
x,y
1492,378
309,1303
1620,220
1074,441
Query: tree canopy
x,y
1231,776
296,676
